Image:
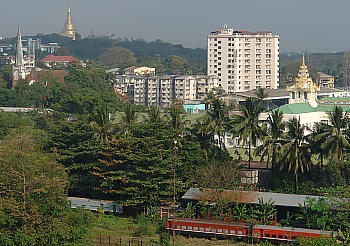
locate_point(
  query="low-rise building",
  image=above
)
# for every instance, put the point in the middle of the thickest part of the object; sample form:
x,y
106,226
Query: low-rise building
x,y
135,70
161,90
52,60
325,80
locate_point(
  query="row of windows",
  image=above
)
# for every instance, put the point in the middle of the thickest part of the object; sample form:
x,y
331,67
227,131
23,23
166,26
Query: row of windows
x,y
248,40
208,229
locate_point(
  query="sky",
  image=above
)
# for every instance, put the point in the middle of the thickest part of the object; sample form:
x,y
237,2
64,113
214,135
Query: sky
x,y
313,25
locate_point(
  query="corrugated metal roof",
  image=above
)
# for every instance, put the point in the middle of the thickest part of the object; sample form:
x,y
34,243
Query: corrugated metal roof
x,y
296,108
286,200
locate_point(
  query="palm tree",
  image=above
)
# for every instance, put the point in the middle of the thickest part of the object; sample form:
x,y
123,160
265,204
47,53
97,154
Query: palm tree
x,y
176,115
296,152
246,126
217,120
154,116
129,117
205,137
102,123
272,137
334,140
315,140
261,94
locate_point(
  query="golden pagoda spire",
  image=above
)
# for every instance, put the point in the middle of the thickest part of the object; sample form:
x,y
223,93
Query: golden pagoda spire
x,y
68,29
304,89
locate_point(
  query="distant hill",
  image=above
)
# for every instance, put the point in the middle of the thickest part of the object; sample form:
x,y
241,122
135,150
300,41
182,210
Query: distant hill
x,y
92,48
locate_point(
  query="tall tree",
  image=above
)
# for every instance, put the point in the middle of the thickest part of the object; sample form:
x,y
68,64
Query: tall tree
x,y
176,115
216,121
246,126
129,117
154,116
335,139
102,124
296,152
33,203
175,65
118,57
271,142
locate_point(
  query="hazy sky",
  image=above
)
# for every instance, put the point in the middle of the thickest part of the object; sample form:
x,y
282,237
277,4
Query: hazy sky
x,y
188,22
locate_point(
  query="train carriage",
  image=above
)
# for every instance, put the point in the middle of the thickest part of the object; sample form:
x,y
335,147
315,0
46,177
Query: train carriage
x,y
285,234
220,230
208,228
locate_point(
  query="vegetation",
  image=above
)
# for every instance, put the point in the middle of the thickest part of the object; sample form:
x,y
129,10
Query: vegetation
x,y
94,144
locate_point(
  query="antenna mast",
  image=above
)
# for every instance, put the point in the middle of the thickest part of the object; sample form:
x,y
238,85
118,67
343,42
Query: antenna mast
x,y
309,42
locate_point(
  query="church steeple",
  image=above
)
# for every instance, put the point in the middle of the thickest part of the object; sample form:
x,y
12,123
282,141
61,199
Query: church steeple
x,y
68,29
19,51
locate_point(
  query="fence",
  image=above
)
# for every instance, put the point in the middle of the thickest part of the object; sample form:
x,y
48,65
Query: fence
x,y
119,241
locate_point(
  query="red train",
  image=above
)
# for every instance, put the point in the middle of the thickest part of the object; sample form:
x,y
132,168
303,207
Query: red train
x,y
245,231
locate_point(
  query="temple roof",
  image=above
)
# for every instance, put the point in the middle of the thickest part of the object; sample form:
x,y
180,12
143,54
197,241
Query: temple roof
x,y
303,81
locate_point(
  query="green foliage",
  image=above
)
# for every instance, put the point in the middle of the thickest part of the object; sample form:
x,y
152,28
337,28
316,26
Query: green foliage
x,y
73,144
175,65
118,57
11,121
265,212
33,201
320,241
189,211
144,226
240,212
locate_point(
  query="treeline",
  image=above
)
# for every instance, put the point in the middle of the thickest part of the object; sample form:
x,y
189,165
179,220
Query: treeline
x,y
145,53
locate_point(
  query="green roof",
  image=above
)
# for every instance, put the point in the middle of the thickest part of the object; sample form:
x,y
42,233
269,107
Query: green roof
x,y
300,108
335,99
296,108
327,108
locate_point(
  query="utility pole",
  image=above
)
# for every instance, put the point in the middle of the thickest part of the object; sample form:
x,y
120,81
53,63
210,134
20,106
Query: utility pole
x,y
174,191
347,63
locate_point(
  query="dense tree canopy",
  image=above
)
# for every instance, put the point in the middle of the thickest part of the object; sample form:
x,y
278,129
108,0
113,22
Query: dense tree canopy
x,y
33,203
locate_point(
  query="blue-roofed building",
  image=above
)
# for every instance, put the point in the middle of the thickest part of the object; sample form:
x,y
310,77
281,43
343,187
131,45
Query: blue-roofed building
x,y
194,108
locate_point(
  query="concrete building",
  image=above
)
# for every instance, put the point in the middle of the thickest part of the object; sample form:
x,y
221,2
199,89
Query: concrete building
x,y
305,104
243,60
52,60
325,80
161,90
136,70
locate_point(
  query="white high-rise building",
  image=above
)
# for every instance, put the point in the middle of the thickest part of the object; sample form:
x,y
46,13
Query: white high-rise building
x,y
243,60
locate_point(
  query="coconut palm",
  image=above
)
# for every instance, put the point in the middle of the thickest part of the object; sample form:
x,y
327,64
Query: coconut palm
x,y
129,117
204,136
102,124
154,116
334,140
315,140
296,151
217,120
176,115
271,142
246,126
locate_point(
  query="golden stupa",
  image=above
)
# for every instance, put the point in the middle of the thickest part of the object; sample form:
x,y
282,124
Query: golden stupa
x,y
68,29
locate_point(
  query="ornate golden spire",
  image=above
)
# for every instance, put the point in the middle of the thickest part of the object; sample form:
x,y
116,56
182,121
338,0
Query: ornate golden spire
x,y
304,89
303,80
68,29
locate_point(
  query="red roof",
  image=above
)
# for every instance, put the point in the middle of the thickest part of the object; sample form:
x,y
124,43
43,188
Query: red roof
x,y
59,74
52,58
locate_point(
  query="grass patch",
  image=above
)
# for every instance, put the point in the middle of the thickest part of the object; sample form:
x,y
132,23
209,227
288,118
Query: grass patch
x,y
109,230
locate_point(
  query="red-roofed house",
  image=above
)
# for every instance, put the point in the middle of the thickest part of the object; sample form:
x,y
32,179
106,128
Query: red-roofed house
x,y
52,60
46,76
